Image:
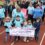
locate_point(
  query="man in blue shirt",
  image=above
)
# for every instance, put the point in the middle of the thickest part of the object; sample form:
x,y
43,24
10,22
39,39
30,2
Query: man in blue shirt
x,y
37,13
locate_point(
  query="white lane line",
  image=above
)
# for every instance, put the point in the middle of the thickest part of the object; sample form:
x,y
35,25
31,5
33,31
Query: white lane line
x,y
42,39
2,32
12,43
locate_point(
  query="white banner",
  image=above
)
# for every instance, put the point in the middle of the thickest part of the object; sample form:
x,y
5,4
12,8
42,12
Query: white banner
x,y
22,32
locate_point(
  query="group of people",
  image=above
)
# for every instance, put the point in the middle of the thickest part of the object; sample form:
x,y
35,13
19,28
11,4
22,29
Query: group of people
x,y
12,16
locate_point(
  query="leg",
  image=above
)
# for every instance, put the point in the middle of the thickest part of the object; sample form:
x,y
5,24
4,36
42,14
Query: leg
x,y
25,39
36,35
7,33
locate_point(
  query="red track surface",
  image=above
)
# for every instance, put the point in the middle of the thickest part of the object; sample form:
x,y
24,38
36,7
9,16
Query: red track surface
x,y
43,43
2,36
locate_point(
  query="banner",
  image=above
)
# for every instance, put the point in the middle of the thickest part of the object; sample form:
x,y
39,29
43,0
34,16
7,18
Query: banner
x,y
22,32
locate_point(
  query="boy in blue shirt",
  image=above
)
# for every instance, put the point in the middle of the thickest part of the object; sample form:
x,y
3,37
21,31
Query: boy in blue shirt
x,y
18,22
25,27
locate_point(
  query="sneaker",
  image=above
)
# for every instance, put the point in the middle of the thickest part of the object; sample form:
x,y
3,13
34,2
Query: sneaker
x,y
27,41
36,38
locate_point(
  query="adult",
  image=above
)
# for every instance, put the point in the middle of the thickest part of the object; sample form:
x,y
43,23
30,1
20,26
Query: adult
x,y
37,13
2,15
36,2
17,12
23,3
30,11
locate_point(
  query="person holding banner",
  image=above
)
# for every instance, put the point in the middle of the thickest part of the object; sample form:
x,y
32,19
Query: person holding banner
x,y
25,27
30,26
37,26
18,23
7,25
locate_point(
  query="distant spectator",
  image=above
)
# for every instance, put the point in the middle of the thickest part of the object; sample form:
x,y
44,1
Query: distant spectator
x,y
18,12
23,4
30,11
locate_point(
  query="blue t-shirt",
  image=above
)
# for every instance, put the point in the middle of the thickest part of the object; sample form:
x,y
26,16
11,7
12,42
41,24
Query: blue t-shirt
x,y
25,27
30,26
18,23
37,13
2,15
15,13
8,24
30,10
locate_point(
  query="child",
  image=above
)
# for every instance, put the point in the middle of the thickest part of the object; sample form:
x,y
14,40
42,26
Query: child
x,y
30,26
7,25
25,26
17,12
30,11
37,26
18,22
2,15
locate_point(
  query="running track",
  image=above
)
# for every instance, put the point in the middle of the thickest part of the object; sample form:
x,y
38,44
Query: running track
x,y
40,42
33,42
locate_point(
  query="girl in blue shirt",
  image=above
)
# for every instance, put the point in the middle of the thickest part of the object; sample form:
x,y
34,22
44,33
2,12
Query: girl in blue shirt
x,y
7,25
18,22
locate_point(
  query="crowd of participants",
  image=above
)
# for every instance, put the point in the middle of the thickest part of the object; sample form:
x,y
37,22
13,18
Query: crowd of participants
x,y
22,14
